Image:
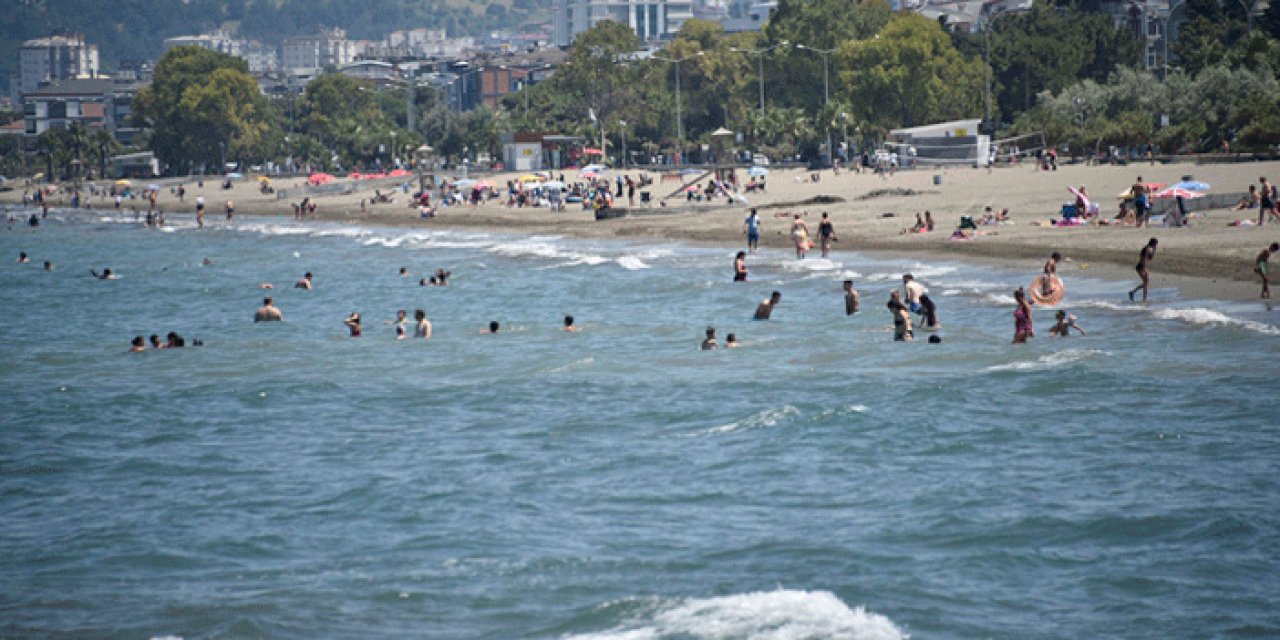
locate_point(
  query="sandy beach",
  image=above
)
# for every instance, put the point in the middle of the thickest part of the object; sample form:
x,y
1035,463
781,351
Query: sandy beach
x,y
1208,258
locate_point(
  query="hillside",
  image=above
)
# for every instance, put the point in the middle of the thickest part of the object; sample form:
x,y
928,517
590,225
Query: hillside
x,y
135,29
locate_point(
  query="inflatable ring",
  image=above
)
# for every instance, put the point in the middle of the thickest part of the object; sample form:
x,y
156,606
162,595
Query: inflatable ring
x,y
1046,290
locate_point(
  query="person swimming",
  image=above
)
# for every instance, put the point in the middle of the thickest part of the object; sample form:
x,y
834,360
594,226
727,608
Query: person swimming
x,y
353,324
442,277
423,327
493,327
850,298
765,309
731,341
138,344
22,257
709,342
304,283
155,342
1065,324
740,267
105,275
268,312
568,324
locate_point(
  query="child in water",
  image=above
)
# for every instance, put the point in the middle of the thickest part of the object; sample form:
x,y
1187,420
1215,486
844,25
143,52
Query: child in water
x,y
1065,324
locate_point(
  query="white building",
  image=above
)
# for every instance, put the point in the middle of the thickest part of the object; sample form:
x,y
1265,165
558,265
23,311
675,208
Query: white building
x,y
219,41
54,59
650,19
314,53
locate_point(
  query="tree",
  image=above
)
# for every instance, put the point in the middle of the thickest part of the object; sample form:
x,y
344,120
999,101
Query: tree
x,y
821,24
909,75
202,106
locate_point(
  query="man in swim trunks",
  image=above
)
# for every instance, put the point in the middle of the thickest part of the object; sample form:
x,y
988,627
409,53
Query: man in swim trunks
x,y
826,234
1260,267
751,227
766,306
850,298
268,312
1266,201
1139,191
911,292
304,283
200,211
1145,257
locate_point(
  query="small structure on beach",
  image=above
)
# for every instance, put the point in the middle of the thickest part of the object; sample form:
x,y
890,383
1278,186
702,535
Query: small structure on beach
x,y
955,142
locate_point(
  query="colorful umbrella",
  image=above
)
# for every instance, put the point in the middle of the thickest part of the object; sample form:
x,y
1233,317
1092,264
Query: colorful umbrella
x,y
1175,192
1192,185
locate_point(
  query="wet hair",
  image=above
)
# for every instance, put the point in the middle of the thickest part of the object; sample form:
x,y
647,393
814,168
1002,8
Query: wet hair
x,y
824,214
307,275
419,315
776,294
1055,255
935,339
711,331
568,321
907,276
267,301
1062,313
731,338
1019,293
404,270
1275,246
155,338
138,342
848,283
742,254
493,326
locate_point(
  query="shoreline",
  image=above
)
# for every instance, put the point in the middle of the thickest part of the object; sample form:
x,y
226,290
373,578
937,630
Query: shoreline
x,y
1207,260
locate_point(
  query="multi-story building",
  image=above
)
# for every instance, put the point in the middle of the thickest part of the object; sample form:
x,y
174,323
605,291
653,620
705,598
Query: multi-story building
x,y
53,59
96,102
650,19
313,53
219,41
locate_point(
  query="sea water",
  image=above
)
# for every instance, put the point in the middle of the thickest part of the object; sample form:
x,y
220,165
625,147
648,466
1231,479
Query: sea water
x,y
822,481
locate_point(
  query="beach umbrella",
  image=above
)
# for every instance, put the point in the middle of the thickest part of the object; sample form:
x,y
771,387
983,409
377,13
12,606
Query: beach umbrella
x,y
756,172
1191,185
123,183
483,184
592,168
1175,192
529,178
532,185
153,187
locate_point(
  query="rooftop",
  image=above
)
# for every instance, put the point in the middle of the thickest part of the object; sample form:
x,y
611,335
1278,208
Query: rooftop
x,y
82,87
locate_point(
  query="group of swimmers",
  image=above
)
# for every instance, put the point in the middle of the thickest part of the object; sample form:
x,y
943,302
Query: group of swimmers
x,y
172,341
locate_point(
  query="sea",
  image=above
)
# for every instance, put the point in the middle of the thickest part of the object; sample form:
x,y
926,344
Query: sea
x,y
285,480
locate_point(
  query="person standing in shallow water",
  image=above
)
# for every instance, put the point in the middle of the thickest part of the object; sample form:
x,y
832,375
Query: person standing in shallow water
x,y
850,298
765,309
1022,322
826,234
751,227
740,267
1145,257
1260,267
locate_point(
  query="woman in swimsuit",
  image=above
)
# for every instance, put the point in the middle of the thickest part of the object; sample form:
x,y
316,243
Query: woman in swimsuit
x,y
1145,257
1022,322
740,267
901,318
929,314
800,236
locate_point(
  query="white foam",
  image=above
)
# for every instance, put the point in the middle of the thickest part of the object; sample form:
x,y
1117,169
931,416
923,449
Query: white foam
x,y
758,420
631,263
774,615
1050,361
1198,315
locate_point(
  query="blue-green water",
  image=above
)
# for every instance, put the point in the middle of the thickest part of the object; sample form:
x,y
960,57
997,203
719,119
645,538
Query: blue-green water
x,y
286,481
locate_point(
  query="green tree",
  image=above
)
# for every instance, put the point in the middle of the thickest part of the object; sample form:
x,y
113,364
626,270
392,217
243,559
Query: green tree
x,y
202,106
909,75
795,75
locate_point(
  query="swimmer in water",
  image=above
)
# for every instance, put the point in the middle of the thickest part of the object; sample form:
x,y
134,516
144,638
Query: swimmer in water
x,y
850,298
568,324
912,290
1023,327
765,309
901,318
740,267
353,324
402,318
493,327
207,262
155,342
404,272
268,312
22,257
731,341
175,341
929,314
304,283
400,332
423,329
105,275
442,277
137,345
710,342
1064,326
48,266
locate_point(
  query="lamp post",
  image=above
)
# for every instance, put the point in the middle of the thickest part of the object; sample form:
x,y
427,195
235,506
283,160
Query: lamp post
x,y
679,115
826,87
622,126
760,53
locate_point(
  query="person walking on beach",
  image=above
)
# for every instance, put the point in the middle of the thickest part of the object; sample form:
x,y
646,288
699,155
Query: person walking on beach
x,y
751,227
1145,257
1139,191
765,309
268,312
850,298
740,267
1023,328
826,234
1260,267
800,236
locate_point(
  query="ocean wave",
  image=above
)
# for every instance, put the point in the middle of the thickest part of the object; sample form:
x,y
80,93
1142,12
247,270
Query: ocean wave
x,y
776,615
759,420
1050,361
631,263
1199,315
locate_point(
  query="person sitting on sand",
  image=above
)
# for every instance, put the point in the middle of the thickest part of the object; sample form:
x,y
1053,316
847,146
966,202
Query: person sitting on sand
x,y
1064,325
710,342
1249,201
268,312
304,283
765,309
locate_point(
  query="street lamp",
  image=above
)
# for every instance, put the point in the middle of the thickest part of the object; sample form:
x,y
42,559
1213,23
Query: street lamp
x,y
826,86
622,126
679,116
761,52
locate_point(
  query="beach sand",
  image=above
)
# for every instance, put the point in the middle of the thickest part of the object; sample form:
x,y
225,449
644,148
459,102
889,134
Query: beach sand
x,y
1207,259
